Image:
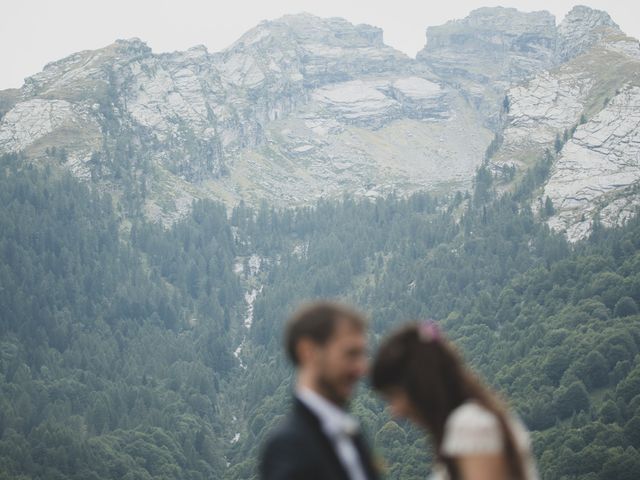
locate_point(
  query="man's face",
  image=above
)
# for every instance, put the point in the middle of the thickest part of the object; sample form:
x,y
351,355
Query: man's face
x,y
341,362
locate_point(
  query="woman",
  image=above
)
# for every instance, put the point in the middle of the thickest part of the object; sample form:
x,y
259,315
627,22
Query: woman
x,y
424,379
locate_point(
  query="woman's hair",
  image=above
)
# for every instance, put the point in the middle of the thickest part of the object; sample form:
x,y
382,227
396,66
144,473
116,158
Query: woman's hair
x,y
420,362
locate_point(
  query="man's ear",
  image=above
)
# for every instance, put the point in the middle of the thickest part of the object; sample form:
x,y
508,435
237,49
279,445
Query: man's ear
x,y
306,350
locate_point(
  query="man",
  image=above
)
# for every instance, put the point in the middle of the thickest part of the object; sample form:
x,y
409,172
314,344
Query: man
x,y
319,440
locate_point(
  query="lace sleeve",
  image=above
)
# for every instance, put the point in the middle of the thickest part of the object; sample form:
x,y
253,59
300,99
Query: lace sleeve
x,y
471,430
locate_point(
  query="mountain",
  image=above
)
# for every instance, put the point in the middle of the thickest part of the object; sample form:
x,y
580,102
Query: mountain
x,y
302,108
297,108
587,110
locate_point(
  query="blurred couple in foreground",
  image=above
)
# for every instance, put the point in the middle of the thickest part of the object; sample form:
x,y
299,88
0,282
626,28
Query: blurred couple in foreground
x,y
418,373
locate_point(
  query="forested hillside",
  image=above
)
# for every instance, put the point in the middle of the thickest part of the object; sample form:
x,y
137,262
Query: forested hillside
x,y
110,351
125,350
553,326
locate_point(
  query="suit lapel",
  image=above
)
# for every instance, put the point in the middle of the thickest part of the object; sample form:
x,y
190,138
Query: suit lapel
x,y
365,457
303,412
328,450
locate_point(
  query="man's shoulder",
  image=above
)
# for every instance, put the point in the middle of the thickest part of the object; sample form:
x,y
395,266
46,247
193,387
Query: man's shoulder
x,y
289,429
289,451
294,428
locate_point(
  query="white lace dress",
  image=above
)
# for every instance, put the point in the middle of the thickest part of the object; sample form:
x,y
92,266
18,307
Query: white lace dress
x,y
472,429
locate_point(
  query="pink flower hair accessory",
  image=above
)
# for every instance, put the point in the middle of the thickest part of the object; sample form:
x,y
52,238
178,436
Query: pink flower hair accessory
x,y
429,331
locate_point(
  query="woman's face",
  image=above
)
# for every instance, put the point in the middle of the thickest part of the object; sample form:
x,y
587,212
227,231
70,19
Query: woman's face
x,y
400,404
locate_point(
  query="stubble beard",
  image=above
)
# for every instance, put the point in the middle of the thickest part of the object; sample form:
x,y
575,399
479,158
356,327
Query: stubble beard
x,y
330,391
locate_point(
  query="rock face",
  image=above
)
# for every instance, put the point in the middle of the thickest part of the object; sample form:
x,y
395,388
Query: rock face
x,y
490,50
495,48
585,111
492,45
303,107
541,109
598,170
582,28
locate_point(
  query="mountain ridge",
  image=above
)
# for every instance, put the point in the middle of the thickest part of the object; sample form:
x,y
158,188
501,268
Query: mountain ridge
x,y
298,108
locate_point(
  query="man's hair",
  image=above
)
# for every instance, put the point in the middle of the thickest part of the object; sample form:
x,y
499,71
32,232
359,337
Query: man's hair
x,y
317,322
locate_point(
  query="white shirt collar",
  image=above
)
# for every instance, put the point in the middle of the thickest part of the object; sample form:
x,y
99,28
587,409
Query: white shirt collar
x,y
335,421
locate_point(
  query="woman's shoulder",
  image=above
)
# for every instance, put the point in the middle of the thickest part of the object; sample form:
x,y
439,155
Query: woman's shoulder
x,y
472,429
472,415
471,418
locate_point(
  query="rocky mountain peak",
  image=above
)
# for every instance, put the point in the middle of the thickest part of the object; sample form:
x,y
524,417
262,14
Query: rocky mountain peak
x,y
494,43
508,20
332,31
131,46
488,26
488,51
305,28
307,48
585,19
76,75
581,29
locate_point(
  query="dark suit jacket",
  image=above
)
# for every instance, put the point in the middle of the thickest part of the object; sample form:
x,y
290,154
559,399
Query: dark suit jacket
x,y
300,450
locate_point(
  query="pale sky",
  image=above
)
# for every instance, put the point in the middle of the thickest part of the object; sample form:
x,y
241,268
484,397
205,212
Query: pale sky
x,y
35,32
